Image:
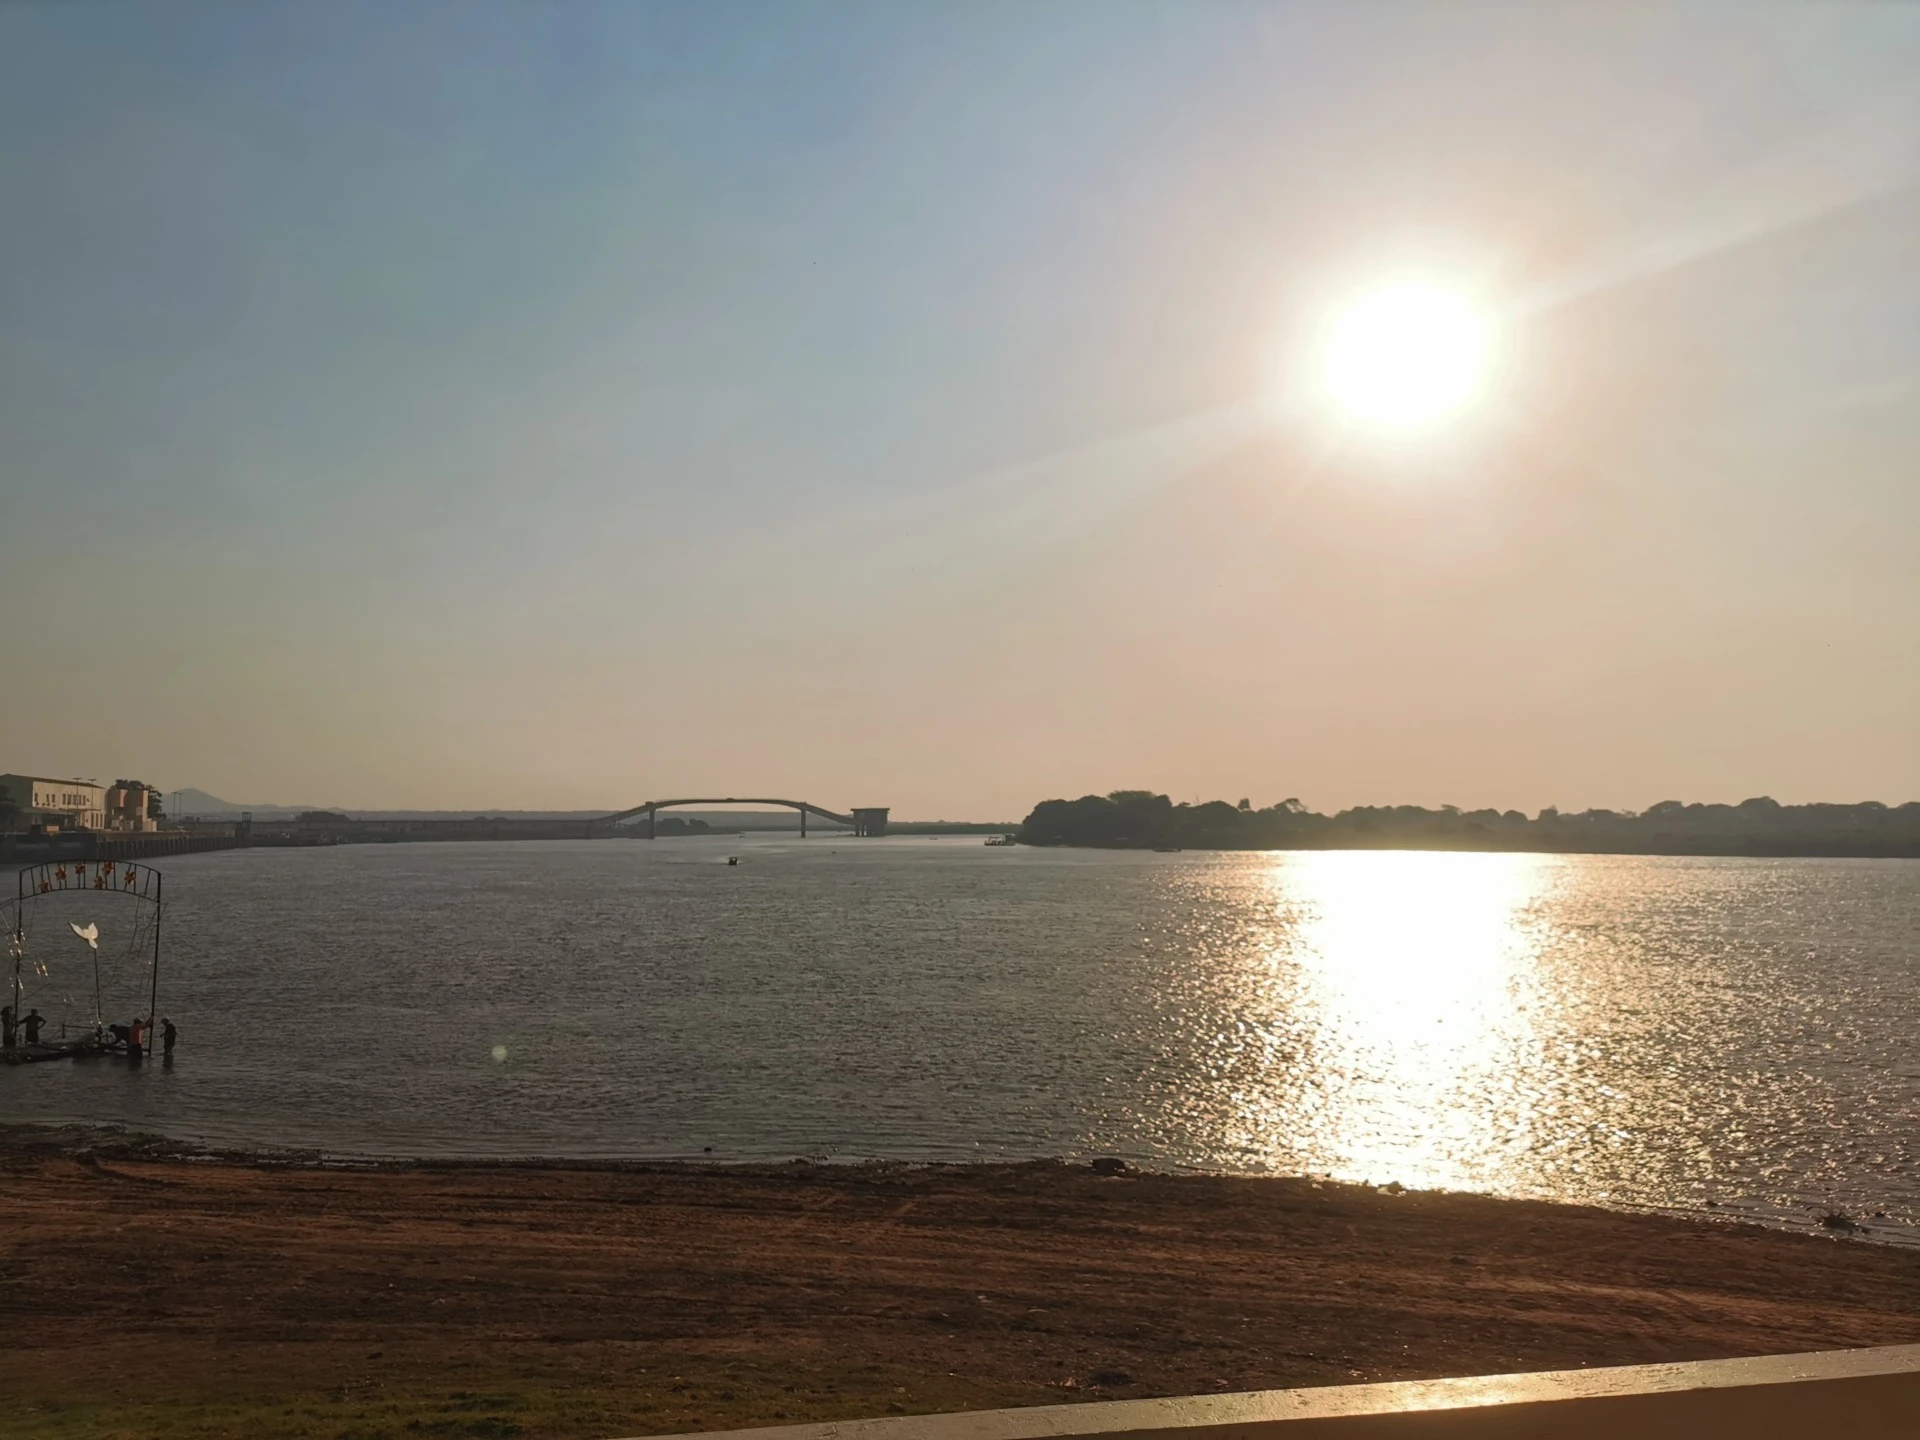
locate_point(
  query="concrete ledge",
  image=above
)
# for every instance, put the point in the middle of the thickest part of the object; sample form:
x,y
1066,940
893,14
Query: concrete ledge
x,y
1857,1394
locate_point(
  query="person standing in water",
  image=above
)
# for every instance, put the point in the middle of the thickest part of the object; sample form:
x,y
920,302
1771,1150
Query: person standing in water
x,y
33,1022
167,1036
136,1039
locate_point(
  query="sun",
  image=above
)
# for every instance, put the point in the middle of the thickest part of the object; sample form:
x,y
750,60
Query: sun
x,y
1406,356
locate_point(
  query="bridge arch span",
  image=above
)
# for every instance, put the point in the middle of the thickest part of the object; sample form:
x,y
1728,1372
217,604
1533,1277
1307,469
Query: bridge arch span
x,y
864,819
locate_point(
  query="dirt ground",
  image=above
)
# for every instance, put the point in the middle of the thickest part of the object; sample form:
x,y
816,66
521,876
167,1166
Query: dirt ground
x,y
155,1295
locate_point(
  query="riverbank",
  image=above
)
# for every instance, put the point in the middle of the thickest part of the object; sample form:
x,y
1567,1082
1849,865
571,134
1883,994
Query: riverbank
x,y
155,1292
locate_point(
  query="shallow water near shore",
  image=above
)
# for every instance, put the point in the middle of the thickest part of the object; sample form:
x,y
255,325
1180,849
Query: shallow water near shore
x,y
1624,1030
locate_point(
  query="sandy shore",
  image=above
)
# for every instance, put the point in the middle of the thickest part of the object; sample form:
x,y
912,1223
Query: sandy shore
x,y
150,1293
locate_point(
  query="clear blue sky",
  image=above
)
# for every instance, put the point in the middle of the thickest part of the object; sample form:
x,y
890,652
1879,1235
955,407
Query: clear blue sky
x,y
469,405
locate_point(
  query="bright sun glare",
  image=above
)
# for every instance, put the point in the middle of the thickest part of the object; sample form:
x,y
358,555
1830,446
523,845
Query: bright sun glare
x,y
1406,356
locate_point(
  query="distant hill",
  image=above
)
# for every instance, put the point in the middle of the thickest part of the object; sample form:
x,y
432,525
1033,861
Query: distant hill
x,y
190,802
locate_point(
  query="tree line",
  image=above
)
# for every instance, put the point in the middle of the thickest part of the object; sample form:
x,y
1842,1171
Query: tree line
x,y
1143,819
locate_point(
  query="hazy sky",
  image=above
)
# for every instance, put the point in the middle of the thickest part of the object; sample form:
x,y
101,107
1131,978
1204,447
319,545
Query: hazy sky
x,y
560,405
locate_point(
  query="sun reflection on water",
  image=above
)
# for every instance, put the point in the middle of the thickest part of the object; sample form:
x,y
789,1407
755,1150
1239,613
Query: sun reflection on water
x,y
1389,1017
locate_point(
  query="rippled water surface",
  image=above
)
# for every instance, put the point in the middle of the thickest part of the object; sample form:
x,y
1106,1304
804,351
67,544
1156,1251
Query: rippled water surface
x,y
1640,1031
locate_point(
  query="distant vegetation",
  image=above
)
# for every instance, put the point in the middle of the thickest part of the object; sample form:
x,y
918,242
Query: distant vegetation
x,y
1140,819
665,825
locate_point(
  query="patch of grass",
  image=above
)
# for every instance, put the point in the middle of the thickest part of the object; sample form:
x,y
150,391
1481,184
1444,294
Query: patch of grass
x,y
304,1417
692,1393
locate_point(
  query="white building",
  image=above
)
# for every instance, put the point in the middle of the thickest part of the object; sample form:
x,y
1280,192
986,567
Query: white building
x,y
130,806
68,804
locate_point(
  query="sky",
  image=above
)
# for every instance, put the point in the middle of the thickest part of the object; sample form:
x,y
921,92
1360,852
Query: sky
x,y
472,405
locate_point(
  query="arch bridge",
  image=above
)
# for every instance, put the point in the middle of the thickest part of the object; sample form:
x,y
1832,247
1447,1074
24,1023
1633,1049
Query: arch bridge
x,y
864,819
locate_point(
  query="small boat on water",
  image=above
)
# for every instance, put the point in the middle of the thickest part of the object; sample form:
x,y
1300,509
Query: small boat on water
x,y
55,1050
997,840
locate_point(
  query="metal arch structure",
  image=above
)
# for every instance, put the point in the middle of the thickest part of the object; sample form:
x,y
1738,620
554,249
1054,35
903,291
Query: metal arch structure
x,y
105,877
865,819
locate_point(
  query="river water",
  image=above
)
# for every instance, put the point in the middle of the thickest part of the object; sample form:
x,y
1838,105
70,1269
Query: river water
x,y
1635,1031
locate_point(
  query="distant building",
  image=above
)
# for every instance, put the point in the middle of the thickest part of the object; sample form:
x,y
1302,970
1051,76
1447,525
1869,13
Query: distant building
x,y
55,804
133,805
